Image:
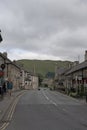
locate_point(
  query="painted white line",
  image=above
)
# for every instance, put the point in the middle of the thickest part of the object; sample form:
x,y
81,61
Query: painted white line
x,y
64,110
49,99
53,102
45,96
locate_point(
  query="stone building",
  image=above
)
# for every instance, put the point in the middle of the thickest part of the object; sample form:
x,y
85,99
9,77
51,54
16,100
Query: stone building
x,y
11,70
76,77
35,81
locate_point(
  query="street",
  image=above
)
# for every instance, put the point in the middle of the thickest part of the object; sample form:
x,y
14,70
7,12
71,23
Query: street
x,y
48,110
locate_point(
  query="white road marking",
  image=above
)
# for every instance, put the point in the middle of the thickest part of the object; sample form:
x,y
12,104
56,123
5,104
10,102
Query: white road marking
x,y
53,102
45,96
49,99
64,110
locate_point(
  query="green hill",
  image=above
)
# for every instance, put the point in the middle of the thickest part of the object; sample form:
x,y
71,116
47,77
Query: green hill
x,y
42,66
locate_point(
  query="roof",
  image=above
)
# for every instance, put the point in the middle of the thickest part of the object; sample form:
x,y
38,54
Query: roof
x,y
50,75
4,57
78,67
8,61
16,65
61,71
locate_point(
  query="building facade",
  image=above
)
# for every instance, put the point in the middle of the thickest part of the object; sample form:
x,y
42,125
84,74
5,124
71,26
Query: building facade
x,y
11,71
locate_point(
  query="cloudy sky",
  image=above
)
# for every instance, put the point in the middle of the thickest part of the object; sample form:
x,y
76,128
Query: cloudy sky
x,y
44,29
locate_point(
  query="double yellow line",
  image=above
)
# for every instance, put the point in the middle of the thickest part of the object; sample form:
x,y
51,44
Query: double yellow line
x,y
4,126
11,112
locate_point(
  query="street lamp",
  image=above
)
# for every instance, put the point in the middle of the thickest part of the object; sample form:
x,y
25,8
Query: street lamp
x,y
56,67
1,39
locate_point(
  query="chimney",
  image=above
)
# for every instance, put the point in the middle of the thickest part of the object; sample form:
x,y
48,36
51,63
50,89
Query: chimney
x,y
75,63
5,54
70,65
86,55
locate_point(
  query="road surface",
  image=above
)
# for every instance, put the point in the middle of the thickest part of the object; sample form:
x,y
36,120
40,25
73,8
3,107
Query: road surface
x,y
48,110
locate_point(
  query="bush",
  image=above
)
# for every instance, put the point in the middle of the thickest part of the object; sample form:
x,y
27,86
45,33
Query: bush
x,y
46,85
73,95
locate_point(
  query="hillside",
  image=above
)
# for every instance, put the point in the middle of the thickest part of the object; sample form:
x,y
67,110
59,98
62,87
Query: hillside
x,y
42,66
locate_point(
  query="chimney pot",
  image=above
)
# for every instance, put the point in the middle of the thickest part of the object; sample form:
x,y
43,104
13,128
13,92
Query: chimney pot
x,y
86,55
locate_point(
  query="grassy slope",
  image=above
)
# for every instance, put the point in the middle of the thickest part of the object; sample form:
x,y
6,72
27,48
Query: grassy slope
x,y
42,66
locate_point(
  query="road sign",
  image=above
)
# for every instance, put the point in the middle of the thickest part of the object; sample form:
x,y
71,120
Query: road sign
x,y
3,66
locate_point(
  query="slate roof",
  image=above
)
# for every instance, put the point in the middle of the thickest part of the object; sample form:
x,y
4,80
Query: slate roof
x,y
4,57
61,71
78,67
8,60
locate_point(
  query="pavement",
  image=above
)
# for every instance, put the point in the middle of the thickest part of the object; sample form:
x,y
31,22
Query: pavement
x,y
7,101
82,99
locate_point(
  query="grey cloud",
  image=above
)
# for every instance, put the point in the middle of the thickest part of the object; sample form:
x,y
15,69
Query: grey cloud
x,y
53,27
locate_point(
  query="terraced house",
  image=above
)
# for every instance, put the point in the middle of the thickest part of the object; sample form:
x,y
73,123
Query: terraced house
x,y
11,71
77,77
73,78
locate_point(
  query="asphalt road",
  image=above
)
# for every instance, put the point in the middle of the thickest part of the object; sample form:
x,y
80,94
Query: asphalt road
x,y
48,110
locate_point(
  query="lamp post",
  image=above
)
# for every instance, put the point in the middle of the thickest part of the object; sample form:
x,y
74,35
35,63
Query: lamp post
x,y
1,39
55,70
